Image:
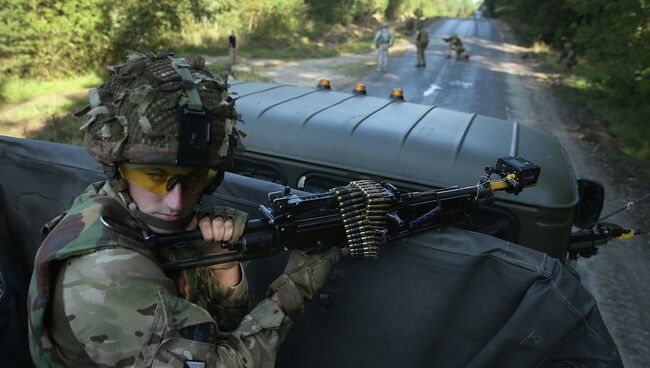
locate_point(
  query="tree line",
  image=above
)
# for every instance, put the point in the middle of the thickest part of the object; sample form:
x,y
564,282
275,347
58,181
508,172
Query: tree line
x,y
53,38
612,41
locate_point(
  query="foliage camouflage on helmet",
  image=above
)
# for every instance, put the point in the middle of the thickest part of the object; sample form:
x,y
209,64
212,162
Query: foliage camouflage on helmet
x,y
134,116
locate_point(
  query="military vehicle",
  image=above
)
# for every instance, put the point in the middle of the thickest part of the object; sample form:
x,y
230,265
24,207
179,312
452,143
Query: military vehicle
x,y
314,139
445,298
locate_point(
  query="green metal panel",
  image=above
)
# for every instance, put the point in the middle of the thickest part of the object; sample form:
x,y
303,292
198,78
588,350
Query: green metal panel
x,y
389,138
305,130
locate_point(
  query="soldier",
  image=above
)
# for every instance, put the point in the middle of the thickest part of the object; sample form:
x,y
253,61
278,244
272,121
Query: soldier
x,y
421,43
165,131
383,41
232,48
455,44
568,57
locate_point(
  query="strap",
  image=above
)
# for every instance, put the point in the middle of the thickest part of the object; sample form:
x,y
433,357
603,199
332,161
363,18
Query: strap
x,y
190,87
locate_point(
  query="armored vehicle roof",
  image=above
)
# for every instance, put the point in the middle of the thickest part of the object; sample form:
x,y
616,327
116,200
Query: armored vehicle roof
x,y
422,144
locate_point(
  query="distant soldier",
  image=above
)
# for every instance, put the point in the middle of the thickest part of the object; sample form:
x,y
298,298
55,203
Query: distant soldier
x,y
455,44
421,43
383,41
232,47
568,58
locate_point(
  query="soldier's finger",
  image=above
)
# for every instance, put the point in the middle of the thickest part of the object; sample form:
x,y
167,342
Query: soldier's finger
x,y
206,229
237,230
217,228
228,226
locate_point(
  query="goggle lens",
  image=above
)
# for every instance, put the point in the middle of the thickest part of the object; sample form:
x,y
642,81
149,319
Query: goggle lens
x,y
161,180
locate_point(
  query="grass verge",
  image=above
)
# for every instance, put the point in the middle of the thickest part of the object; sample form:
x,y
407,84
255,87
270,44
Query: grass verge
x,y
17,90
61,127
627,125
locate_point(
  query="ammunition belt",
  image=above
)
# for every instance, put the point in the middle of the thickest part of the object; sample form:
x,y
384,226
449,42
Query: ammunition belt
x,y
363,208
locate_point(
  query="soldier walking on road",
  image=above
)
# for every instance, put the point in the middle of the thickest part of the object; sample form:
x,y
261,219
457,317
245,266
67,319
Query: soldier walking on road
x,y
421,43
383,41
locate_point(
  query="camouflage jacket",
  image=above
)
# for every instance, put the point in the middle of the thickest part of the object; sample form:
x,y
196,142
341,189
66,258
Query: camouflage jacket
x,y
455,42
100,298
422,38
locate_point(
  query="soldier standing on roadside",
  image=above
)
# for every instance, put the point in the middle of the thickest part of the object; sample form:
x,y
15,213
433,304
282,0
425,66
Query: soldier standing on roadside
x,y
232,48
165,131
568,57
421,43
383,41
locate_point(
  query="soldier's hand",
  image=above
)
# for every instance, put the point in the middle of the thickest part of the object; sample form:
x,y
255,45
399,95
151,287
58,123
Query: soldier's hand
x,y
221,224
303,277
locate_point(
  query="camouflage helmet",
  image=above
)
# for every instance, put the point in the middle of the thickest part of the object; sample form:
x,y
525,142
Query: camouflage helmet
x,y
161,110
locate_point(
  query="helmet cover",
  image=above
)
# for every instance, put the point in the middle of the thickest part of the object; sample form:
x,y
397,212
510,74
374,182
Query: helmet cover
x,y
135,116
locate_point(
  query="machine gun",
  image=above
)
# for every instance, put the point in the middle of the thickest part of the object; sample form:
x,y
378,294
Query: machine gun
x,y
359,216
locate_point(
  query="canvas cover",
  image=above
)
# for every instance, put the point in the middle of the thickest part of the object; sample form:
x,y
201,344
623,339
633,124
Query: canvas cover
x,y
445,298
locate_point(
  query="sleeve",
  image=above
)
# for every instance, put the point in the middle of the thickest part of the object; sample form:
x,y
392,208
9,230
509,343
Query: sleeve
x,y
124,311
227,305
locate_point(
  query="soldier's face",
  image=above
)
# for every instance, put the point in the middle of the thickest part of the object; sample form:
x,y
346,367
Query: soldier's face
x,y
171,206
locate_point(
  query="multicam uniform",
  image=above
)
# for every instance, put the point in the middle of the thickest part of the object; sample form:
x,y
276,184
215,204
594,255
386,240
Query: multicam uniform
x,y
383,41
421,43
455,44
101,298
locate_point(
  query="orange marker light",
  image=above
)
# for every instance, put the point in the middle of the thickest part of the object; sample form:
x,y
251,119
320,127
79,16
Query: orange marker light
x,y
397,94
324,84
360,89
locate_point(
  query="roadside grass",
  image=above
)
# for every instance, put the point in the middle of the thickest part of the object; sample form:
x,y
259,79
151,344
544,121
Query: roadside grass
x,y
43,110
316,41
628,125
17,90
48,119
241,75
355,69
62,127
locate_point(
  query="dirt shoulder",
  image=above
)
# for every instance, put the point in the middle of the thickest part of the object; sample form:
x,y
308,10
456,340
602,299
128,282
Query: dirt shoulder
x,y
343,71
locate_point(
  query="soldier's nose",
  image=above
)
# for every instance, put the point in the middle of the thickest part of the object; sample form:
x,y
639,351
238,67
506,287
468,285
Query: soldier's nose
x,y
174,198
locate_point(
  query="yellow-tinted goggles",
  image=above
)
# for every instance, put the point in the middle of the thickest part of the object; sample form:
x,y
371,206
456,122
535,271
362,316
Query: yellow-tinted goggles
x,y
162,179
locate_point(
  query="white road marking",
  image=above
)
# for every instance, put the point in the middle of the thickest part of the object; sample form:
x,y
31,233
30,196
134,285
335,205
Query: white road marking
x,y
466,85
431,90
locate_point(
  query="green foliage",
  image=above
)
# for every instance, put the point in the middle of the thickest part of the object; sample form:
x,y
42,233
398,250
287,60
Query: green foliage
x,y
17,90
393,9
364,9
330,11
278,21
612,41
51,37
144,25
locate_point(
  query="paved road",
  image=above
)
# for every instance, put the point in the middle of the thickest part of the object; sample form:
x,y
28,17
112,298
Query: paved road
x,y
474,86
498,82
